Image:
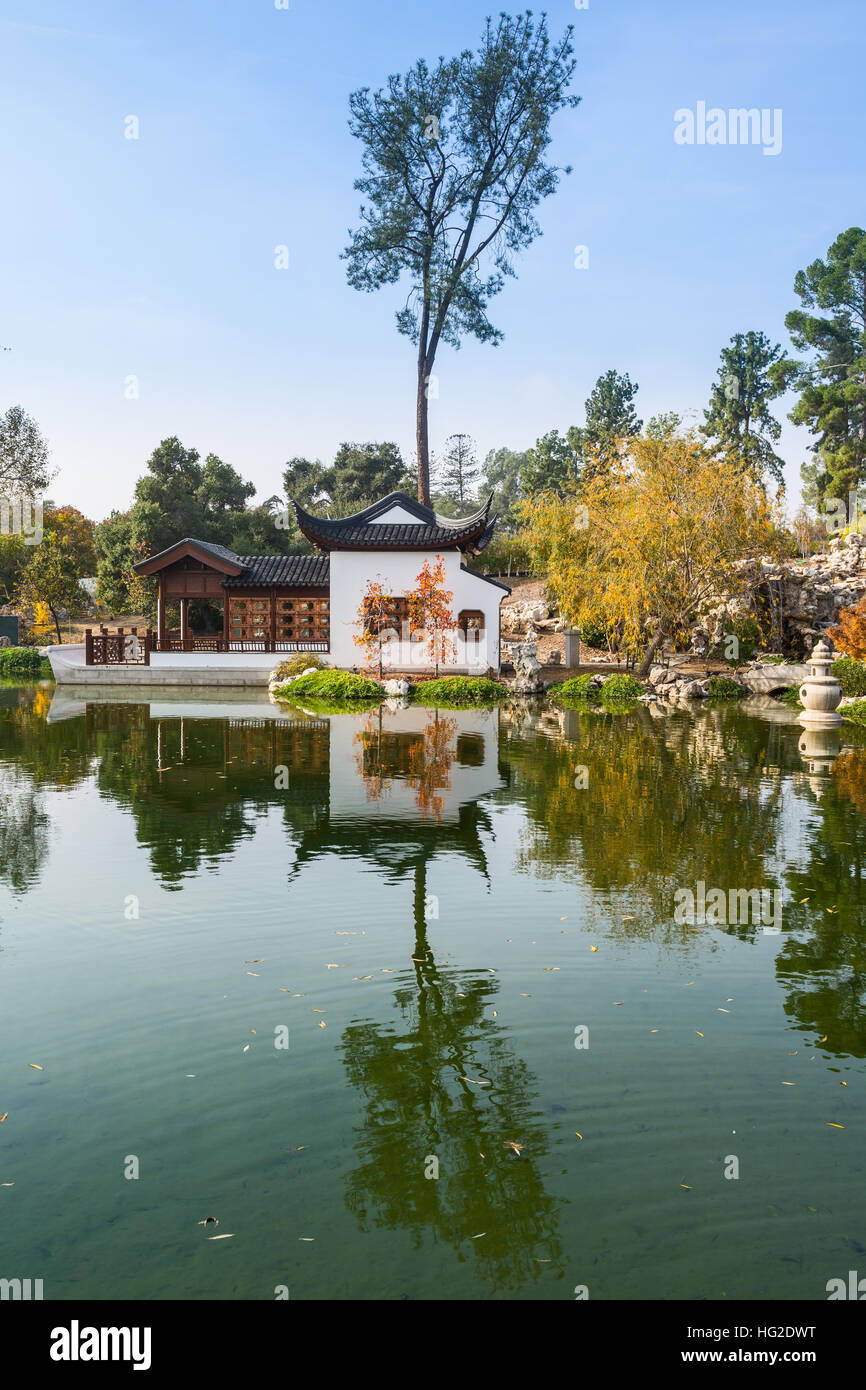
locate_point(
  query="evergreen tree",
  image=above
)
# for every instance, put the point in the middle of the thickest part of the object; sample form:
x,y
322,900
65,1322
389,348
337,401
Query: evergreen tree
x,y
738,420
610,416
832,382
459,472
454,168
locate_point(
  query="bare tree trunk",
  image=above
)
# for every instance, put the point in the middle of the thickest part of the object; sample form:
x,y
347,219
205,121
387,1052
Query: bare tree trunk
x,y
421,435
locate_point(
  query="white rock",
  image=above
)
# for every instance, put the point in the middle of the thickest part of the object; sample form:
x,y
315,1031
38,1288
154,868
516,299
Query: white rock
x,y
396,687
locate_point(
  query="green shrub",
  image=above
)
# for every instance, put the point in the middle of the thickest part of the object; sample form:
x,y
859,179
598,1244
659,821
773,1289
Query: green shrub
x,y
578,688
791,696
594,635
335,686
855,713
298,662
748,636
459,690
620,687
24,661
851,675
722,688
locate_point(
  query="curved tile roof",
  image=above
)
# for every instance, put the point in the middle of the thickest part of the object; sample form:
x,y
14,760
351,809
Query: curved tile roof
x,y
364,530
306,571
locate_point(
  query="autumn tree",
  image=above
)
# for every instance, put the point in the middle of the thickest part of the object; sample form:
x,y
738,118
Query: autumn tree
x,y
850,634
49,579
454,168
645,546
377,619
430,612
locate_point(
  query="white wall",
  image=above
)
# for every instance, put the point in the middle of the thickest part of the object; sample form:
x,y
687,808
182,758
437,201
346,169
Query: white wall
x,y
398,571
460,784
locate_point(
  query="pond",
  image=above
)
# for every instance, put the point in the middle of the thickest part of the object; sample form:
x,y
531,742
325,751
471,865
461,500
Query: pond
x,y
428,1004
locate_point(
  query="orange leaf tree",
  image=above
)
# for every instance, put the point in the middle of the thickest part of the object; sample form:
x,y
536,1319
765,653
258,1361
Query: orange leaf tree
x,y
850,635
374,617
430,611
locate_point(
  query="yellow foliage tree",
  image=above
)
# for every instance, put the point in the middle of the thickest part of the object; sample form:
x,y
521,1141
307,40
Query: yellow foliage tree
x,y
645,546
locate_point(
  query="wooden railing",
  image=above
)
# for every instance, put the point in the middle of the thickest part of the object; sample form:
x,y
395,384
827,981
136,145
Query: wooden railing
x,y
133,648
104,648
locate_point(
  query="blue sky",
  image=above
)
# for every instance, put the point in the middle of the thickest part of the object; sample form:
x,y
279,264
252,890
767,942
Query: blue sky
x,y
154,257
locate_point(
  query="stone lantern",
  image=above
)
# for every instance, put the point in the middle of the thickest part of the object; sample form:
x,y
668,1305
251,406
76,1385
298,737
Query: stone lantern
x,y
820,692
819,748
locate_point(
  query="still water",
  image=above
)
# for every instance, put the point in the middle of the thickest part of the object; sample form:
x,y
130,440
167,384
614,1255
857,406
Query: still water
x,y
403,1000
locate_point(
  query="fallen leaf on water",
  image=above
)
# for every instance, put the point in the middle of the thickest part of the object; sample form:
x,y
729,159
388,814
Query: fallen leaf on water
x,y
580,1136
247,1047
803,900
35,1066
687,983
4,1117
473,1082
700,1035
361,977
320,1011
628,919
258,960
526,996
255,974
7,1184
722,1011
686,1186
617,1003
824,1039
654,1030
386,971
789,1083
551,967
306,1238
834,1126
191,1075
843,1083
495,1013
593,948
512,1144
229,1235
480,1234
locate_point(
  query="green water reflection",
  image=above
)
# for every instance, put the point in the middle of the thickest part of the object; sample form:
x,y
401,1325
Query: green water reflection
x,y
179,878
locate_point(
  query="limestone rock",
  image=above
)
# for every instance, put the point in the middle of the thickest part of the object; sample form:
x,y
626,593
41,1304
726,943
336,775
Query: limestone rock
x,y
396,687
527,671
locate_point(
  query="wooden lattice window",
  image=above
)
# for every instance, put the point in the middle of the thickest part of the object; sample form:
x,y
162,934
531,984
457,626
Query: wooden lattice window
x,y
395,613
470,620
249,619
303,620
